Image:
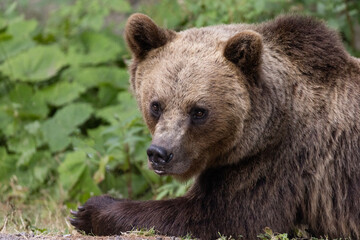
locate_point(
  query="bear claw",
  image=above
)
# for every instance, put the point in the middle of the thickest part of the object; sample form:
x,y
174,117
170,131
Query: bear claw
x,y
82,218
81,208
74,212
73,222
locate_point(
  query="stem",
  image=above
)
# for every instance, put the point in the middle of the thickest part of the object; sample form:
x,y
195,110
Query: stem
x,y
129,179
351,25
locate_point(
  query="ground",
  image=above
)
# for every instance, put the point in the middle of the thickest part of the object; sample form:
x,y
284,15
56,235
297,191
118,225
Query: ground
x,y
47,220
21,236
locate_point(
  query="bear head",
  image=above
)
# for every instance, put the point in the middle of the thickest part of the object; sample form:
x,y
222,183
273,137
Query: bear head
x,y
191,88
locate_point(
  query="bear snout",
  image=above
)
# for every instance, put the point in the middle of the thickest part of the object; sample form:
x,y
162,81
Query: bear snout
x,y
159,157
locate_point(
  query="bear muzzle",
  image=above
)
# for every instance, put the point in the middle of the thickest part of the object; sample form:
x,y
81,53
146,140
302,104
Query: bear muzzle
x,y
159,157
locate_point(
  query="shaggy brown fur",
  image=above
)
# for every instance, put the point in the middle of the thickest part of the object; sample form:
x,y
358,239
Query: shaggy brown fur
x,y
266,117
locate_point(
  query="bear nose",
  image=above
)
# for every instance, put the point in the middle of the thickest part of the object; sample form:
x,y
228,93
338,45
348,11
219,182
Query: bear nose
x,y
158,155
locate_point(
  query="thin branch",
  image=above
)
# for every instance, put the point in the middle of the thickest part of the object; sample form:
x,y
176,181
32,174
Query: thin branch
x,y
351,25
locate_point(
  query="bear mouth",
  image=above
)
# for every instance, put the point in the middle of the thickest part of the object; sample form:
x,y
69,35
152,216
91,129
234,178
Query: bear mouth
x,y
159,172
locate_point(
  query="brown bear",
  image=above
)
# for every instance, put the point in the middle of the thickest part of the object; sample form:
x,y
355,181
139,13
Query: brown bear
x,y
266,118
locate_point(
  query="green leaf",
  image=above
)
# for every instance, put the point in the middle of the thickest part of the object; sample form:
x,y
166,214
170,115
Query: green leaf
x,y
160,13
7,165
5,119
21,143
31,177
107,96
26,103
139,184
11,9
93,48
123,112
121,6
99,175
71,169
32,128
25,143
85,187
94,77
56,139
18,39
57,129
75,176
62,93
35,65
25,157
72,115
22,28
85,145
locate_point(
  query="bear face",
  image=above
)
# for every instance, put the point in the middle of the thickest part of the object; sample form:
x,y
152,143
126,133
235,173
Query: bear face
x,y
195,110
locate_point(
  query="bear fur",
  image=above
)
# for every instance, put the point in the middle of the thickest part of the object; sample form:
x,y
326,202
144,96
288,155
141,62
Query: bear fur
x,y
266,118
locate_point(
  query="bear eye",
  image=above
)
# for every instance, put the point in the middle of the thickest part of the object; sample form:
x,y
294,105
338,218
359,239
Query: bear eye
x,y
155,109
198,115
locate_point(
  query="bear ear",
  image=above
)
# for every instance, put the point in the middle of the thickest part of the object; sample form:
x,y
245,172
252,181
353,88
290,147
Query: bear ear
x,y
245,49
143,35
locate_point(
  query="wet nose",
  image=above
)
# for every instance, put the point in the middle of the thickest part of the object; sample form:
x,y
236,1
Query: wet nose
x,y
158,155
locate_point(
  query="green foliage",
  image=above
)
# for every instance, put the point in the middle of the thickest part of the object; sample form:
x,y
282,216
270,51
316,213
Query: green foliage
x,y
173,189
144,232
223,237
37,64
341,15
187,237
57,129
68,125
69,128
269,235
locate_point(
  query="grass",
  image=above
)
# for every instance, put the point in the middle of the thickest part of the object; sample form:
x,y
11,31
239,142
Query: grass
x,y
48,217
40,216
144,232
223,237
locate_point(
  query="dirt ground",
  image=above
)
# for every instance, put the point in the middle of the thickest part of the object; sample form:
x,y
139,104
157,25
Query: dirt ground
x,y
30,236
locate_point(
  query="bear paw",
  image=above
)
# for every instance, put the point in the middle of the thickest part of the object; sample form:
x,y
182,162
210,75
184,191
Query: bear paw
x,y
86,218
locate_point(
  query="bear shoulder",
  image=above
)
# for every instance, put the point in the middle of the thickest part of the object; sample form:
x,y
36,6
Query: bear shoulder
x,y
307,42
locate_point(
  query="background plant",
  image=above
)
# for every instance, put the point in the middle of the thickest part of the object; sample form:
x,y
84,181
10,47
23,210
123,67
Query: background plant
x,y
69,127
67,119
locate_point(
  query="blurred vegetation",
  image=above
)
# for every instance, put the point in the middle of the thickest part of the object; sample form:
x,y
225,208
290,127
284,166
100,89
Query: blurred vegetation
x,y
69,127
